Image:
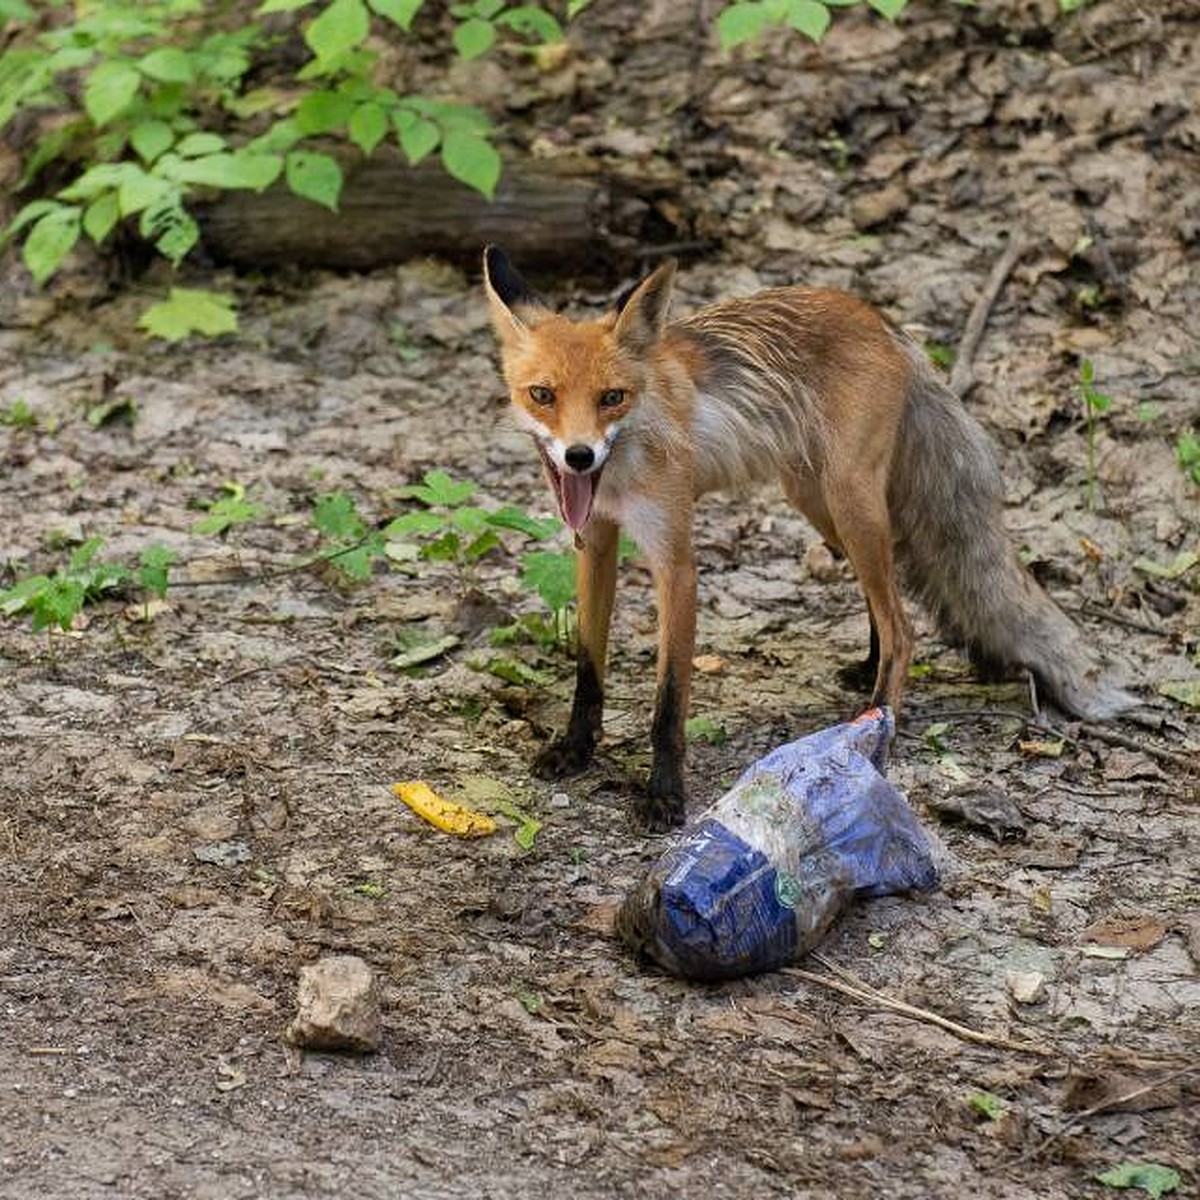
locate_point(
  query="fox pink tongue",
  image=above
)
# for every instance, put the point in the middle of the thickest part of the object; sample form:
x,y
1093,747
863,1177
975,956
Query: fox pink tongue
x,y
576,495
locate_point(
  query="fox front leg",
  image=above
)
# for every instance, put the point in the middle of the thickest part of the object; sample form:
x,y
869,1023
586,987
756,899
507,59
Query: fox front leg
x,y
596,581
675,586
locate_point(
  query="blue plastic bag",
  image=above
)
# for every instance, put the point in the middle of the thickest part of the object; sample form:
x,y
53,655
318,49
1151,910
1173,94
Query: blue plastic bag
x,y
757,880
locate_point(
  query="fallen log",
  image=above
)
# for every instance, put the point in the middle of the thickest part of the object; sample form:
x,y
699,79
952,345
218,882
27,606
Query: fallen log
x,y
569,214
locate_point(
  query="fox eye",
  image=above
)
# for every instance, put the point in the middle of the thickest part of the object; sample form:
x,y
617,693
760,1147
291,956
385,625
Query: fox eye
x,y
541,395
612,398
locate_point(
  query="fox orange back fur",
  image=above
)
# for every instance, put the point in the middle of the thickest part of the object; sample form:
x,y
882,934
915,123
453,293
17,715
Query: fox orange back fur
x,y
635,417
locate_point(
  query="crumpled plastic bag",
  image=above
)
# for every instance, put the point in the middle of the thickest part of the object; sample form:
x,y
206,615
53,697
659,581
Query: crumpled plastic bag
x,y
755,882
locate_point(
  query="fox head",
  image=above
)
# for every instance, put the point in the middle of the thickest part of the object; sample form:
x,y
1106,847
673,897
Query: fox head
x,y
575,384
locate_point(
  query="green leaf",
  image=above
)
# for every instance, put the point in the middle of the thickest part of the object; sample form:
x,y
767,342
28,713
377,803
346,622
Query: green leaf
x,y
1182,563
82,555
274,6
1186,691
987,1105
152,574
742,22
20,596
368,126
888,8
575,7
482,545
15,10
356,561
230,509
31,212
704,729
110,90
447,548
418,136
401,12
168,64
50,241
138,191
474,37
538,528
170,227
1153,1179
438,488
58,603
323,111
809,18
552,575
315,176
472,160
151,138
532,22
1087,372
196,145
414,524
239,169
417,647
188,311
336,517
341,27
100,178
100,216
513,670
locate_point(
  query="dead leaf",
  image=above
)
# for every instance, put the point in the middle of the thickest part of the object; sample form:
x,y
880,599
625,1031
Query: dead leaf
x,y
1131,764
1104,1089
709,664
1135,933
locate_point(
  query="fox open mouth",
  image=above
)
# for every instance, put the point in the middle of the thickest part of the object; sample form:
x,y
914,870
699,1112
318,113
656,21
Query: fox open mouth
x,y
575,493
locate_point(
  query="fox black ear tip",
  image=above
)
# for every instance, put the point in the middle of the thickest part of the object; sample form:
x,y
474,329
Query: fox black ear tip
x,y
494,258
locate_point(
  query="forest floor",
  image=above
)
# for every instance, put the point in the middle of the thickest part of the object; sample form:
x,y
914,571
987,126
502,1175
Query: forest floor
x,y
194,805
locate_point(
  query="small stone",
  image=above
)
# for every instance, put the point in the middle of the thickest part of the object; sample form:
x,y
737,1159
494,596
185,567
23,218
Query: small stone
x,y
560,800
1026,987
877,208
337,1006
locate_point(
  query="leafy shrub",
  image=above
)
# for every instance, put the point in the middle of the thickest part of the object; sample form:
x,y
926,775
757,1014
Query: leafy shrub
x,y
156,104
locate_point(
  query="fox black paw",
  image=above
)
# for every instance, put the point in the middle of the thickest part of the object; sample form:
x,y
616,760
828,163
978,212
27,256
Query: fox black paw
x,y
859,676
660,808
564,756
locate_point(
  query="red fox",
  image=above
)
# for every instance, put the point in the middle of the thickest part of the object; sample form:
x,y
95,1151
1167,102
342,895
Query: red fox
x,y
634,417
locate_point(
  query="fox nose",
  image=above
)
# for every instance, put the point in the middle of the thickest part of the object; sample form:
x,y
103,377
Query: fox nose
x,y
579,457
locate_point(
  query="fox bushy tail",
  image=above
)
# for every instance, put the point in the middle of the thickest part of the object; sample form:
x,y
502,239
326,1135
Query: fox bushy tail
x,y
946,499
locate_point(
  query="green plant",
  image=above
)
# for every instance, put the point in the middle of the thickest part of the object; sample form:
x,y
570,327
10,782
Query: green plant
x,y
1095,405
1187,455
227,510
190,310
57,599
19,415
156,105
745,20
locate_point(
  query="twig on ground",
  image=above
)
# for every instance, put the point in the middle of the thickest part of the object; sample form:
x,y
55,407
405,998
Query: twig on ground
x,y
1190,765
851,985
1103,1106
1105,614
962,376
272,572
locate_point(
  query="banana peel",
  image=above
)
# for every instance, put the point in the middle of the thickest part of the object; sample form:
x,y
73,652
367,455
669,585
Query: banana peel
x,y
442,813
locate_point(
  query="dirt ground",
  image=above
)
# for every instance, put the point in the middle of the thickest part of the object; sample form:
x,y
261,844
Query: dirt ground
x,y
195,805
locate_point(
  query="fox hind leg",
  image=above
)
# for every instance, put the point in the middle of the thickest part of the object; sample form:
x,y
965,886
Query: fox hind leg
x,y
860,516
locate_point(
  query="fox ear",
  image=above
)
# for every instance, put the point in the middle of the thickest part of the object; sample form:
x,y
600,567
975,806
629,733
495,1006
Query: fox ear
x,y
507,292
642,311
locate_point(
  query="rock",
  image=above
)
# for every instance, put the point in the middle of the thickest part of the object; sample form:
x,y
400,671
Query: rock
x,y
338,1006
1026,987
877,208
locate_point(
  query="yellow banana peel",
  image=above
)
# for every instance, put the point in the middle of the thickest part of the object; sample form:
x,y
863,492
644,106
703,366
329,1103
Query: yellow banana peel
x,y
444,814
